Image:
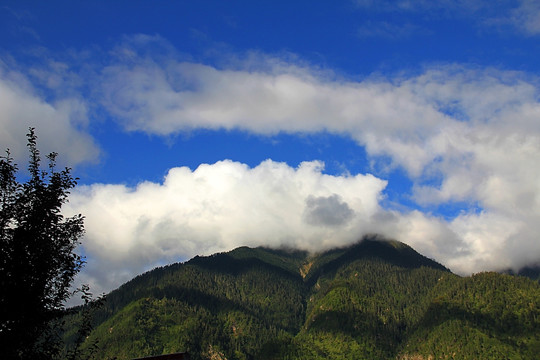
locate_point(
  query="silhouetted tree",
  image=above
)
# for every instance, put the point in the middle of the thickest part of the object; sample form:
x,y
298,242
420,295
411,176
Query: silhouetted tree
x,y
37,258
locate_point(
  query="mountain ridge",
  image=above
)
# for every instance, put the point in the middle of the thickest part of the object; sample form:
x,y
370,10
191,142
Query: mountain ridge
x,y
373,299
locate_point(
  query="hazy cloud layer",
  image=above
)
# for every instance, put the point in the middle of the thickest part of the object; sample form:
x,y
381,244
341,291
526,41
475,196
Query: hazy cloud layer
x,y
521,15
527,16
60,123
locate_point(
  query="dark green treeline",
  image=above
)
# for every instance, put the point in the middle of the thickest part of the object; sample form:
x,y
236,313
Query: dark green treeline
x,y
374,300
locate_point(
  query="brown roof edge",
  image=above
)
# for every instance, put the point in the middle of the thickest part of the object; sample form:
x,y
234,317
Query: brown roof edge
x,y
176,356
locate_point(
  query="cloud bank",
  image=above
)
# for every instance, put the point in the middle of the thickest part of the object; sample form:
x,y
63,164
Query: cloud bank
x,y
219,207
61,123
461,133
464,136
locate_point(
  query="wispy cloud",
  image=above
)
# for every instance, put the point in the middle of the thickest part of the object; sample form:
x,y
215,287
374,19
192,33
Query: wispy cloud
x,y
61,122
521,15
527,17
445,7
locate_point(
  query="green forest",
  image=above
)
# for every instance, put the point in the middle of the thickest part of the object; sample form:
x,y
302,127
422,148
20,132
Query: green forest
x,y
374,300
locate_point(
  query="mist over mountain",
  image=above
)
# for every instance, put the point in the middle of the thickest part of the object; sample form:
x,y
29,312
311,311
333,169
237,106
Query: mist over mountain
x,y
376,299
531,271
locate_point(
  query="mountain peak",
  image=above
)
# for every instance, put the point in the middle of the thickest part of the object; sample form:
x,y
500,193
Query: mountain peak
x,y
376,298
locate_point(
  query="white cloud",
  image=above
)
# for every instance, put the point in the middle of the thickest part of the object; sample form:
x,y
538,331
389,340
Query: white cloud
x,y
219,207
424,123
225,205
462,134
527,16
60,124
522,15
389,118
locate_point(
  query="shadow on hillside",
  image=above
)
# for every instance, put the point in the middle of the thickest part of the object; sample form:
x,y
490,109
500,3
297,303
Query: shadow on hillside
x,y
503,328
360,326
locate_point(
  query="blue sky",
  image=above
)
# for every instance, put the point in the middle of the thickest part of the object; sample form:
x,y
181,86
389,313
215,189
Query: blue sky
x,y
197,127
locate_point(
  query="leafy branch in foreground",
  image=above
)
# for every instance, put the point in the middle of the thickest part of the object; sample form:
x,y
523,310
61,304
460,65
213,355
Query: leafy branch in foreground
x,y
38,262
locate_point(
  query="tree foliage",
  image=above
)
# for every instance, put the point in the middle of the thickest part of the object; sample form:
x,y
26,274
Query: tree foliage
x,y
37,255
373,300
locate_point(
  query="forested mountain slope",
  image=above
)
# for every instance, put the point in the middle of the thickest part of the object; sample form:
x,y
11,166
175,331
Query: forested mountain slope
x,y
374,300
531,271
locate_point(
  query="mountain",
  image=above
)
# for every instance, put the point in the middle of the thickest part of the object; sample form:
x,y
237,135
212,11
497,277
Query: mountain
x,y
530,271
376,299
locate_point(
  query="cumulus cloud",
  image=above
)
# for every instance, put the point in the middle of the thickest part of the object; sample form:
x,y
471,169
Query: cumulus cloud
x,y
219,207
431,124
389,118
60,124
463,135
